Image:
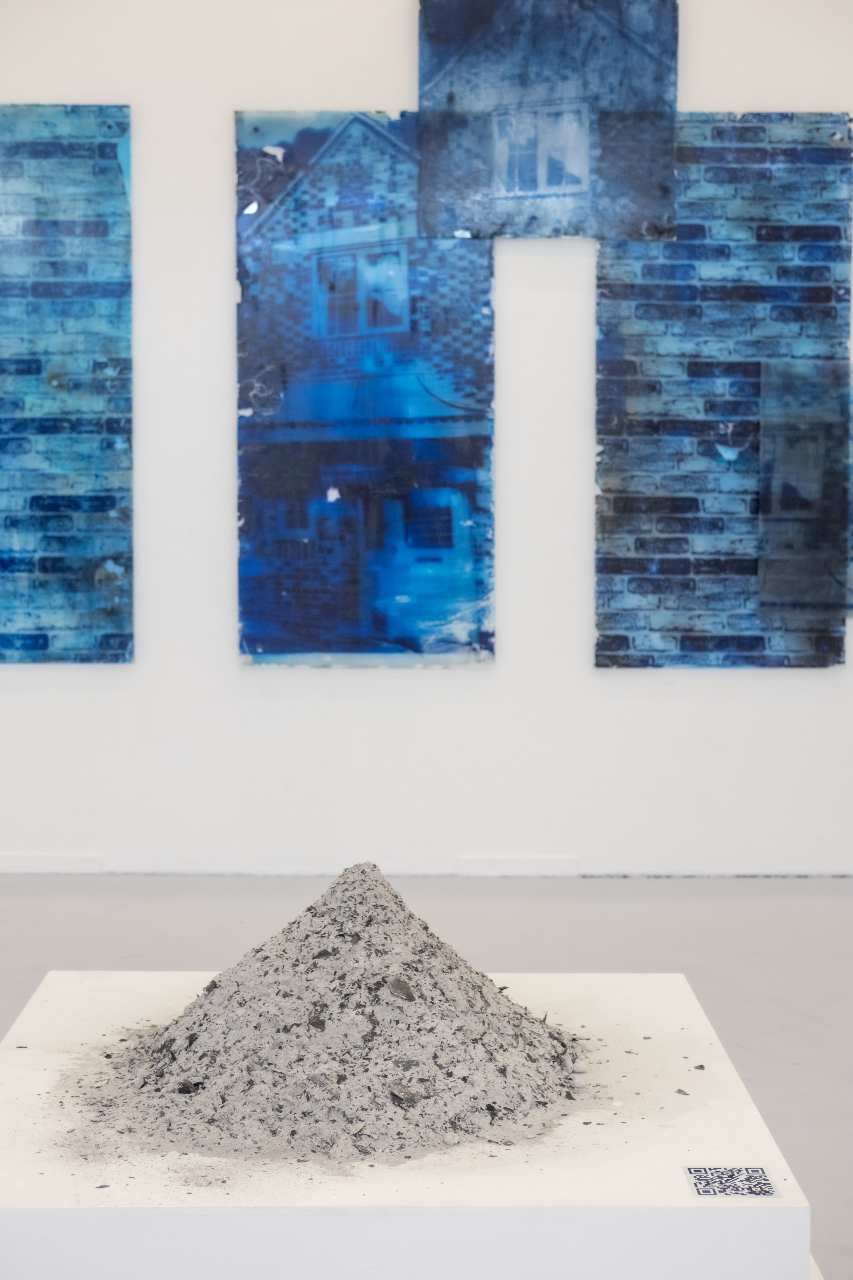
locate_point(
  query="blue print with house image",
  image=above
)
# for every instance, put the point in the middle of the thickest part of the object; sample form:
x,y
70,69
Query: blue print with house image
x,y
547,117
365,402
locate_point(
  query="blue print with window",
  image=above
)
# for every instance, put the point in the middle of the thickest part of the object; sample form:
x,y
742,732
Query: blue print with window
x,y
547,117
365,403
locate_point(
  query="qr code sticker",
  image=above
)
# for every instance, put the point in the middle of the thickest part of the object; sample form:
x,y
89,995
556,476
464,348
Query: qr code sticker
x,y
731,1182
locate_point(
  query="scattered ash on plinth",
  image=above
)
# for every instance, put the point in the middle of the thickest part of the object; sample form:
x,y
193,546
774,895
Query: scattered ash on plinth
x,y
354,1033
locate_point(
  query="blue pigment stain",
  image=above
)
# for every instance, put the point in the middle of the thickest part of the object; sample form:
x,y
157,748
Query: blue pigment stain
x,y
547,117
65,385
365,402
700,343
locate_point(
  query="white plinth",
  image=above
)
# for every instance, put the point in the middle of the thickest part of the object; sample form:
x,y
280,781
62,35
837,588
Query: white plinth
x,y
605,1196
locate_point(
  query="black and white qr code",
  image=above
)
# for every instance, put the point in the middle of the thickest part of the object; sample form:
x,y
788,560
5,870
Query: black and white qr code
x,y
731,1182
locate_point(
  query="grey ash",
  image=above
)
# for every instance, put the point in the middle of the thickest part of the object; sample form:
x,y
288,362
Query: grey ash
x,y
352,1033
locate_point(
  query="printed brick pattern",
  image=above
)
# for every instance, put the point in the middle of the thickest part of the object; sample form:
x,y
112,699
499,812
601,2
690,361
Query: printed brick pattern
x,y
65,385
759,271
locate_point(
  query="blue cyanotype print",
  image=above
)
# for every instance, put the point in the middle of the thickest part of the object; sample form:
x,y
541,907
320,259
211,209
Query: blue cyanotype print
x,y
65,385
547,117
365,402
697,339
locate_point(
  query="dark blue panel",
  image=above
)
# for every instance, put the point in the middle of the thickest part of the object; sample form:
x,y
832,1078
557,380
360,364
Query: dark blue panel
x,y
365,367
724,415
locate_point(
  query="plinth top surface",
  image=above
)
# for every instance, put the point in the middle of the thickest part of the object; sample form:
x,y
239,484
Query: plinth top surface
x,y
655,1095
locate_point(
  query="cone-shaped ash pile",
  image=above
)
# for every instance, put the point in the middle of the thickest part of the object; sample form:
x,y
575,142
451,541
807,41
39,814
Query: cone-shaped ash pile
x,y
354,1031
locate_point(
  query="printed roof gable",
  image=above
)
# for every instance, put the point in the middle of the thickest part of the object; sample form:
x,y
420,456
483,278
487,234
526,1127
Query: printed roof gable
x,y
499,29
380,135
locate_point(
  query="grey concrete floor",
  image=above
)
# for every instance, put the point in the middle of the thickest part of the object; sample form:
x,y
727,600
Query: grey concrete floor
x,y
771,961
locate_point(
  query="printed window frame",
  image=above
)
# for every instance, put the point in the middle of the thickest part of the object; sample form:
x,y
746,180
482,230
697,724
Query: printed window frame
x,y
538,110
360,252
431,527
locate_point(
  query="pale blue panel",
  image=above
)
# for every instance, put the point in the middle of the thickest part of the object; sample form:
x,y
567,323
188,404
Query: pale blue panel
x,y
65,385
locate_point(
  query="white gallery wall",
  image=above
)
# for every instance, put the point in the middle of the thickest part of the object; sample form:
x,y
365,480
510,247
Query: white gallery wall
x,y
190,760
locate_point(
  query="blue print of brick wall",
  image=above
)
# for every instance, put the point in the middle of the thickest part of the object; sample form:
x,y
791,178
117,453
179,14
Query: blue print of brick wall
x,y
65,385
760,271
